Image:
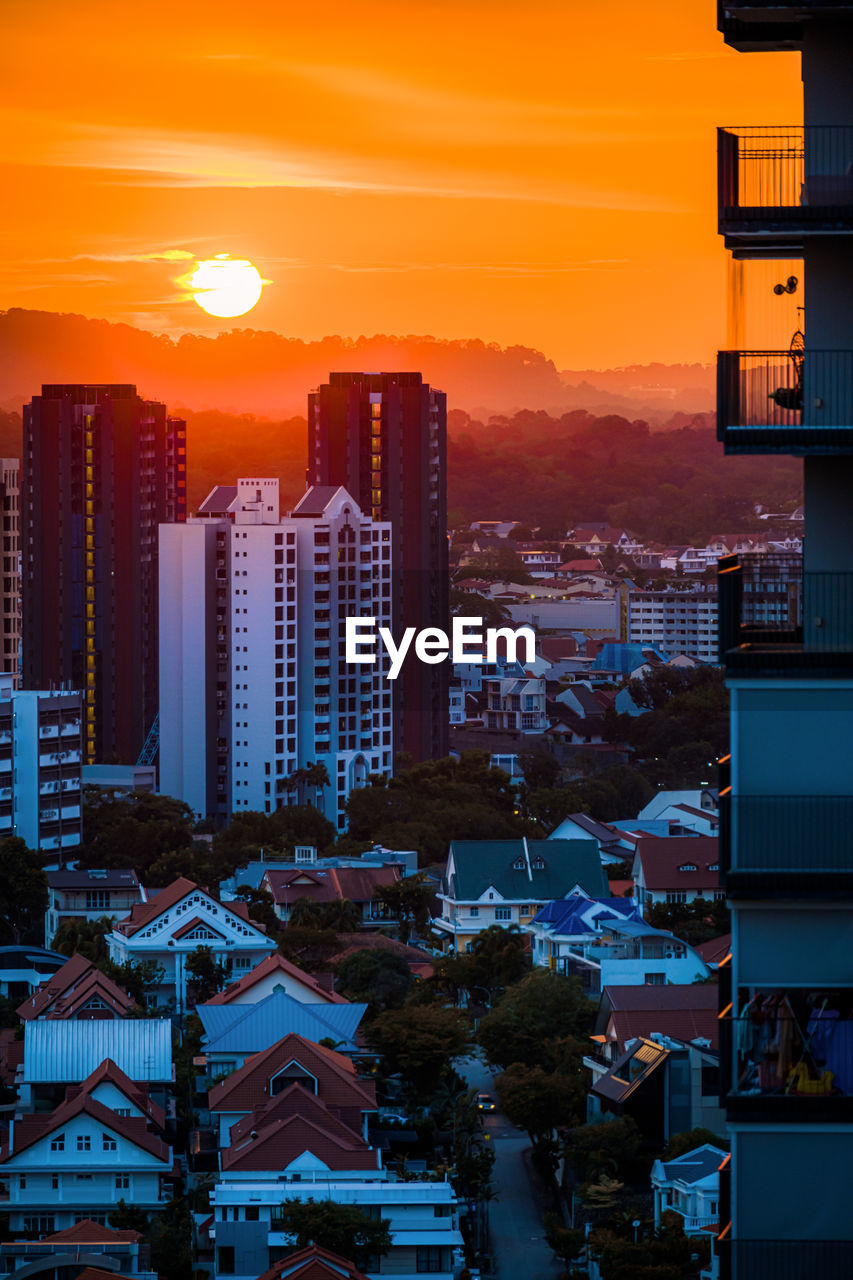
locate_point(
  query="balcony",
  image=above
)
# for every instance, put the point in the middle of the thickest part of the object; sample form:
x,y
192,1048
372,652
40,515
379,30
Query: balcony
x,y
799,403
766,26
777,184
803,838
786,1259
785,622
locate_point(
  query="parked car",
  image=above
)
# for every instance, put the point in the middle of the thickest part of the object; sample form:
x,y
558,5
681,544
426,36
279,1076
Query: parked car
x,y
485,1102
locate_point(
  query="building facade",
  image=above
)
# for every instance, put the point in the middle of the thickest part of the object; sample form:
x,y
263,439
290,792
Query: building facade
x,y
383,436
40,767
254,685
786,192
10,594
101,469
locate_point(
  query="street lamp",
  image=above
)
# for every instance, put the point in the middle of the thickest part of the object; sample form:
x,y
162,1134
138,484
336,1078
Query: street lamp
x,y
635,1224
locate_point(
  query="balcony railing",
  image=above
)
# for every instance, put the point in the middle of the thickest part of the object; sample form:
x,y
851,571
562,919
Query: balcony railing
x,y
785,177
785,400
786,1259
764,606
790,834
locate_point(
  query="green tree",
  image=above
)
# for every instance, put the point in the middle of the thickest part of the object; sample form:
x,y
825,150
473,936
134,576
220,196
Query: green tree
x,y
540,1101
132,831
540,767
86,937
378,977
535,1020
129,1217
498,958
680,1143
23,892
140,978
609,1147
410,901
205,975
344,1229
310,948
420,1041
339,915
170,1238
260,906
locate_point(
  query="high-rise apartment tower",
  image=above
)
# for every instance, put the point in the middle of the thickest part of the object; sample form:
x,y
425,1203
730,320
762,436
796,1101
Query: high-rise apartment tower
x,y
10,596
383,436
101,469
787,786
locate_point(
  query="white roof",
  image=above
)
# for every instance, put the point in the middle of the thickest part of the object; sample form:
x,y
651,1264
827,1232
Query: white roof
x,y
666,799
69,1050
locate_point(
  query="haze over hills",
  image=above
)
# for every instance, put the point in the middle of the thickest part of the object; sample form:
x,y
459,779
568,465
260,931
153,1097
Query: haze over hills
x,y
248,371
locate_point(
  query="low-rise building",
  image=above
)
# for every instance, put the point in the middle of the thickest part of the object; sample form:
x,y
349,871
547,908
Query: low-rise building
x,y
233,1032
40,762
313,1263
78,990
504,882
81,894
516,705
66,1052
180,919
676,869
607,942
273,973
78,1253
321,884
689,1185
24,968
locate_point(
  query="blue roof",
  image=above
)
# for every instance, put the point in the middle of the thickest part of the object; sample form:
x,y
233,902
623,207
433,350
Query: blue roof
x,y
230,1028
652,826
625,658
575,916
68,1050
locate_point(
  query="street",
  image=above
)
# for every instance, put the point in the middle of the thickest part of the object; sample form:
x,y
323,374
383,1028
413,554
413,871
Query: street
x,y
516,1232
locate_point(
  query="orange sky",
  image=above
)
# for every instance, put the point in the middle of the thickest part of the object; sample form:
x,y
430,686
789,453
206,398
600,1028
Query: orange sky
x,y
536,172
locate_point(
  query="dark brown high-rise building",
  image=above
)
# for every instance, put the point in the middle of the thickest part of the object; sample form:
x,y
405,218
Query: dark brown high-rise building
x,y
101,469
383,436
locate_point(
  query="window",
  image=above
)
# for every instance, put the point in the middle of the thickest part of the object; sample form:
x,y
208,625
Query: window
x,y
39,1226
108,1142
97,899
503,913
710,1081
58,1143
252,1213
429,1258
473,911
225,1259
654,979
54,1182
22,1182
676,895
122,1182
122,1111
84,1142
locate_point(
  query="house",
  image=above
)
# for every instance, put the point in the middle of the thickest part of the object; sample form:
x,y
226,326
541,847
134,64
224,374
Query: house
x,y
596,539
419,961
63,1052
516,705
665,1085
504,882
323,1072
274,972
249,1231
181,918
689,1185
577,826
77,1161
703,798
82,1250
78,990
323,884
607,942
676,869
233,1032
684,1012
313,1263
24,968
89,895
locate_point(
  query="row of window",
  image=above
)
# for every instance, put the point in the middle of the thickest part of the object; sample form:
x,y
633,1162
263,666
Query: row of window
x,y
84,1141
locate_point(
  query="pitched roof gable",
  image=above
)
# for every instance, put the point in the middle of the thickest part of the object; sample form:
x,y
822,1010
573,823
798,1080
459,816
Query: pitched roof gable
x,y
684,1011
513,868
665,861
135,1093
283,1141
248,1086
32,1129
270,965
66,991
89,1232
294,1100
145,914
313,1263
247,1028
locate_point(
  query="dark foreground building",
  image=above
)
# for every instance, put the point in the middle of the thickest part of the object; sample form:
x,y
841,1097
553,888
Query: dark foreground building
x,y
383,436
101,469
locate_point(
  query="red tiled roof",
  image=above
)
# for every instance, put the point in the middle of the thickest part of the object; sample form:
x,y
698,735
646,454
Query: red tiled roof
x,y
98,1273
716,950
134,1092
144,912
89,1232
135,1129
68,990
275,963
11,1055
281,1142
684,1011
338,1084
418,961
294,1100
313,1263
661,858
582,566
356,884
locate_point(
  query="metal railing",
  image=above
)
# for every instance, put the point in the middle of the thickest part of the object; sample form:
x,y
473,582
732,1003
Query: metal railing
x,y
801,834
805,396
786,1259
785,173
762,603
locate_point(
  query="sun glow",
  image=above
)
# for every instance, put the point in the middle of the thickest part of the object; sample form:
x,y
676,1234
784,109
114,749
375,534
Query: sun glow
x,y
226,286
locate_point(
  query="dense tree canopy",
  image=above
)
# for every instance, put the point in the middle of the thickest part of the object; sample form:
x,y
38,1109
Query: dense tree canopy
x,y
23,893
344,1229
535,1020
380,978
420,1041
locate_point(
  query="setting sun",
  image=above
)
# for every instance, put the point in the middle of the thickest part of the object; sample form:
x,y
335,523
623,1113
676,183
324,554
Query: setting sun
x,y
226,286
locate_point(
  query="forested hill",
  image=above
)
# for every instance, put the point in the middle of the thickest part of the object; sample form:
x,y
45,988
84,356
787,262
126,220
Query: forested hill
x,y
671,485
